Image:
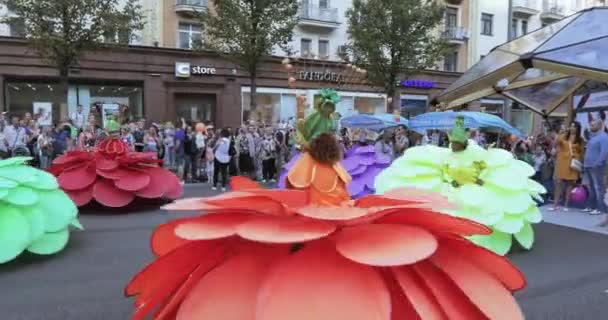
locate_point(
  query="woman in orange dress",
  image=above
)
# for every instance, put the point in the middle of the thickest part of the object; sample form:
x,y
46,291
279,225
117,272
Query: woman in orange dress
x,y
569,146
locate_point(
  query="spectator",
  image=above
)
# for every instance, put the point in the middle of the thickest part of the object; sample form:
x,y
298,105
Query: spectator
x,y
595,168
179,150
169,145
139,134
45,148
151,141
268,155
15,137
401,141
86,139
222,159
127,137
539,158
385,145
78,118
569,147
190,156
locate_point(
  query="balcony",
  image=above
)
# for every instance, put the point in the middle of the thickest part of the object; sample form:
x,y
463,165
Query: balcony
x,y
525,8
552,11
314,16
190,7
456,35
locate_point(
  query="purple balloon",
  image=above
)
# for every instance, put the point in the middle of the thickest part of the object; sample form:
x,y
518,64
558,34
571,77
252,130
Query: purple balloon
x,y
578,195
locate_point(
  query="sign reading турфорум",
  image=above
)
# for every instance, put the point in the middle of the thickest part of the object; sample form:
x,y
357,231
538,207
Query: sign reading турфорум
x,y
325,76
185,70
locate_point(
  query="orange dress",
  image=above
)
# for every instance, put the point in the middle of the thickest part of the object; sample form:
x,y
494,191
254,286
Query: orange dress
x,y
564,157
326,183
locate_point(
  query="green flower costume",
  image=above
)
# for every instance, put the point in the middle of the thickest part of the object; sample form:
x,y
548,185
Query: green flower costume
x,y
322,120
488,186
34,213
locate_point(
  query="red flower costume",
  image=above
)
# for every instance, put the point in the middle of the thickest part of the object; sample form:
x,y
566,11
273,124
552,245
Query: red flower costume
x,y
275,255
113,176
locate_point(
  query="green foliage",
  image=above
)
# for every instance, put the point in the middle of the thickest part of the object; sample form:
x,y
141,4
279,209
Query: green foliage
x,y
395,38
60,31
248,30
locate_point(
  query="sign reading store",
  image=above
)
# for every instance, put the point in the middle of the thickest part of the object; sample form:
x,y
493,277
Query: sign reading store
x,y
185,70
320,76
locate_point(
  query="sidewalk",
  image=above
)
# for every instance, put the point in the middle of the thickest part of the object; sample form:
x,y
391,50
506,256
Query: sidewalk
x,y
574,218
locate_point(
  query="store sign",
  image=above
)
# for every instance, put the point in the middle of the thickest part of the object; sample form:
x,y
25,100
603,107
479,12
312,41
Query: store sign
x,y
185,70
320,76
422,84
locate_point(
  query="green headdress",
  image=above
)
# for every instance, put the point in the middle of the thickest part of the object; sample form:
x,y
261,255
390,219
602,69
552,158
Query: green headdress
x,y
458,133
322,120
112,125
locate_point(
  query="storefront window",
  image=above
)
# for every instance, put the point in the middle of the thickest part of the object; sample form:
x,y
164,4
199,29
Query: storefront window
x,y
370,105
413,105
48,99
522,120
271,109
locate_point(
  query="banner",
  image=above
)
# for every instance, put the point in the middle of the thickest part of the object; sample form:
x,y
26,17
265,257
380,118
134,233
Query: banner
x,y
43,113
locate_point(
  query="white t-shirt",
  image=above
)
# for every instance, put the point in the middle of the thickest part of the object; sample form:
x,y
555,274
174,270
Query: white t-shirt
x,y
222,150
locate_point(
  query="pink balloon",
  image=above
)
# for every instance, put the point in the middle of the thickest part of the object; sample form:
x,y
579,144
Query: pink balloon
x,y
578,195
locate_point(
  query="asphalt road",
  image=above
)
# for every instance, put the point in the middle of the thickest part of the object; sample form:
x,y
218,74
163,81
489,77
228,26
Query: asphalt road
x,y
567,272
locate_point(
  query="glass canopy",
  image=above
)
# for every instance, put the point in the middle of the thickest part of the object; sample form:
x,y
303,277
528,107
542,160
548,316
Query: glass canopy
x,y
542,69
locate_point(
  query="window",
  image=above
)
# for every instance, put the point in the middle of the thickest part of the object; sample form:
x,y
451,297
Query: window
x,y
17,28
524,27
486,24
305,47
514,28
451,17
323,49
413,105
190,35
450,62
324,4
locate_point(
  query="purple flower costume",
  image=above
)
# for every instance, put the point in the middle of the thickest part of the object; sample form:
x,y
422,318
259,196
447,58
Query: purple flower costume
x,y
361,162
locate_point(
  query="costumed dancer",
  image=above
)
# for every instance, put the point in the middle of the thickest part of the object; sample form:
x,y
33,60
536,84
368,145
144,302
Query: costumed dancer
x,y
113,175
489,186
35,214
362,162
311,253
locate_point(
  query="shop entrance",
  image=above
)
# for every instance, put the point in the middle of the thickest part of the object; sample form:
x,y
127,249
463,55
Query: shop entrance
x,y
196,107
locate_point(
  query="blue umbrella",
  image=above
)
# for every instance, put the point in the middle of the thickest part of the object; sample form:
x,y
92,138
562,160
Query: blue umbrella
x,y
391,120
365,121
445,121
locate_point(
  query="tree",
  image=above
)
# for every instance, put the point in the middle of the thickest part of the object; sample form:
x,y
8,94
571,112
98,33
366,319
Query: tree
x,y
395,39
61,31
247,31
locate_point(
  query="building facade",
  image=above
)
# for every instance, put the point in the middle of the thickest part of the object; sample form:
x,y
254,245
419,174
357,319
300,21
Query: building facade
x,y
162,84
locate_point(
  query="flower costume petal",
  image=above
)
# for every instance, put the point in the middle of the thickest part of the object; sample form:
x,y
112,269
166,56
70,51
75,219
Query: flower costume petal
x,y
488,186
384,258
34,214
113,176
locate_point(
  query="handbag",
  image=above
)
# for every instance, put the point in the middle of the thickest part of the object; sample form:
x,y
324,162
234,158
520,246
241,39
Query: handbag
x,y
575,164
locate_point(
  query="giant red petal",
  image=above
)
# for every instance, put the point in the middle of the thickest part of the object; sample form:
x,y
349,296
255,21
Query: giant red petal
x,y
385,244
72,157
174,187
78,178
239,183
317,283
249,201
81,197
289,198
499,266
113,174
284,230
332,213
229,292
455,304
401,308
106,164
481,287
164,239
434,200
211,226
154,285
157,186
416,292
134,180
370,201
108,195
434,221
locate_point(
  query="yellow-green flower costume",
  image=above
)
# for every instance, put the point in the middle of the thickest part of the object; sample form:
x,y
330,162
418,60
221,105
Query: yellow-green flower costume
x,y
34,213
488,186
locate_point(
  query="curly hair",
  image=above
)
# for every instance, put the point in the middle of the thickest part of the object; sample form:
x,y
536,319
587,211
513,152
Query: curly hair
x,y
325,149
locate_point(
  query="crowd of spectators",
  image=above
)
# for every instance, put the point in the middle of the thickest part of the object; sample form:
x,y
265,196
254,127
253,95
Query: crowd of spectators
x,y
562,159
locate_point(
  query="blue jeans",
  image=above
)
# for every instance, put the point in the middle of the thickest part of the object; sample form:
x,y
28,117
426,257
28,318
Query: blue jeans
x,y
595,178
